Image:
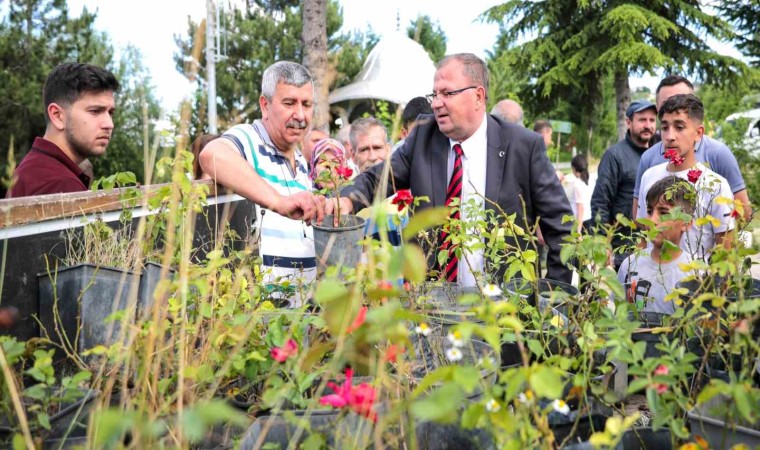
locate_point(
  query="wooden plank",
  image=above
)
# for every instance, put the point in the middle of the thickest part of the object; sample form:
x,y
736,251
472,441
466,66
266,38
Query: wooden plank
x,y
24,210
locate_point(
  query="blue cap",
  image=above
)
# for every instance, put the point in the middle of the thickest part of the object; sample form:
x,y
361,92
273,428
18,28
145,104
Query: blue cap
x,y
638,106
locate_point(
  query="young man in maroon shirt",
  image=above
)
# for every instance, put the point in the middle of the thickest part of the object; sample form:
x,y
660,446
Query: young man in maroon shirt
x,y
79,107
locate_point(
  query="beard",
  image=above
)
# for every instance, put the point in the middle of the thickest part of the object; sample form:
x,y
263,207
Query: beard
x,y
79,146
638,136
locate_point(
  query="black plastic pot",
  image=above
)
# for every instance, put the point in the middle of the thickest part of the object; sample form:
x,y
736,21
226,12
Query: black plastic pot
x,y
149,279
590,422
66,426
437,436
90,292
635,439
711,422
650,320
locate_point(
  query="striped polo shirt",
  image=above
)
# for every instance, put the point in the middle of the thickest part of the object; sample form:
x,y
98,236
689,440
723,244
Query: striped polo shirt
x,y
286,245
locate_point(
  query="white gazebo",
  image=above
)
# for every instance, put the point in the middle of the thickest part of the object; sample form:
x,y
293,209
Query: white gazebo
x,y
396,70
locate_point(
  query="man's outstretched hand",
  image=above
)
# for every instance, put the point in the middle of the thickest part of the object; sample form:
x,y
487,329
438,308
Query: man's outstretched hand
x,y
345,207
301,206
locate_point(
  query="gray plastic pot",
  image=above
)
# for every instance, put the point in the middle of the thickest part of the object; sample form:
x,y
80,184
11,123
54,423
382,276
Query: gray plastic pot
x,y
90,292
149,279
709,421
338,246
342,431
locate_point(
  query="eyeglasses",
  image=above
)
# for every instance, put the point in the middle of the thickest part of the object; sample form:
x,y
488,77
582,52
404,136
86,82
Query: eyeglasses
x,y
447,95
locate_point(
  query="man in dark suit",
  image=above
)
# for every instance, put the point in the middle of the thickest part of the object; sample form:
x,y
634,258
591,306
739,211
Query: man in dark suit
x,y
504,162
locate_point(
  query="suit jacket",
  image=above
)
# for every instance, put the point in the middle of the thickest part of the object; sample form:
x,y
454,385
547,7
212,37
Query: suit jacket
x,y
517,169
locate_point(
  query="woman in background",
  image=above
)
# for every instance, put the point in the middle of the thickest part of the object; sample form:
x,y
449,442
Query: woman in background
x,y
581,202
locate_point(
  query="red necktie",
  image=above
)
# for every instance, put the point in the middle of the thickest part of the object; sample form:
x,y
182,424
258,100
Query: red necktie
x,y
451,268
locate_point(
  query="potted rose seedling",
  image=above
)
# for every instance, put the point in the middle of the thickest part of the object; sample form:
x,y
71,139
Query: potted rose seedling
x,y
335,245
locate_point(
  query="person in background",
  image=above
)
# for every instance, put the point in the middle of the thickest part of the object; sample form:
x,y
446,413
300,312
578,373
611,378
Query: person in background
x,y
681,121
328,155
369,141
714,153
581,203
650,275
309,141
416,107
344,137
79,107
198,144
617,174
544,128
509,111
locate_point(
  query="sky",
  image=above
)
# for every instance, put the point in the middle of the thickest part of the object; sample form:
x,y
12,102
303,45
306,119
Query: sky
x,y
152,25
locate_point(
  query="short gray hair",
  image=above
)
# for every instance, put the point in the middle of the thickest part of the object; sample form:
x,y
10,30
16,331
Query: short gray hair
x,y
474,68
290,73
344,134
362,127
509,111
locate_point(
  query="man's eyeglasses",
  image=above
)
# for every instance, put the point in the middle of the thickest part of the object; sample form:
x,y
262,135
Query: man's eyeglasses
x,y
447,95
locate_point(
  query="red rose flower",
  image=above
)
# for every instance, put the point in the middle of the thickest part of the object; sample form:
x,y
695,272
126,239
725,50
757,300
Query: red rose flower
x,y
693,175
281,354
674,157
344,172
358,321
735,214
662,369
360,399
403,198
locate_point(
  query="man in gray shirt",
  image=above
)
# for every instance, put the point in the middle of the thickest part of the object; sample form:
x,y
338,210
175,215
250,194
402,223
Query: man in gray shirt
x,y
714,153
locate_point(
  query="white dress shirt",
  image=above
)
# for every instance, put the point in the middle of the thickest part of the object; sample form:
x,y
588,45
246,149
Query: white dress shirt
x,y
474,158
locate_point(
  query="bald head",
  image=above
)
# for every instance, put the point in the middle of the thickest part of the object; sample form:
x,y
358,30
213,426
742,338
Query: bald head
x,y
509,111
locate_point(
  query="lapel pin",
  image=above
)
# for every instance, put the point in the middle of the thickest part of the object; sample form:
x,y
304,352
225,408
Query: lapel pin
x,y
501,154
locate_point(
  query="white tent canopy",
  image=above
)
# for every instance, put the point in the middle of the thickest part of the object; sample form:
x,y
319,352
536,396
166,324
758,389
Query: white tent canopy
x,y
396,70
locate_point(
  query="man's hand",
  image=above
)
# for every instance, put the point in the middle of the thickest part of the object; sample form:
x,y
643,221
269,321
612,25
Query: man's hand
x,y
301,206
345,207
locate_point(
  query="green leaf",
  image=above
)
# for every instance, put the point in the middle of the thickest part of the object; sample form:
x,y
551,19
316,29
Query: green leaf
x,y
423,220
415,264
468,377
472,414
442,405
315,441
18,442
44,420
566,252
440,374
546,382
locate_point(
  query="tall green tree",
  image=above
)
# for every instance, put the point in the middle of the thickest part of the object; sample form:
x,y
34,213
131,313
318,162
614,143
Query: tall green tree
x,y
576,44
744,15
35,36
257,36
430,35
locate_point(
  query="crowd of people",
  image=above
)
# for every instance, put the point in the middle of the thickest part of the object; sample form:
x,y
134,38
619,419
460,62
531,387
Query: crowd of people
x,y
450,149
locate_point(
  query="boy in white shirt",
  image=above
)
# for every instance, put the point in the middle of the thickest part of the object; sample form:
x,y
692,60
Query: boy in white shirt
x,y
649,275
681,119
